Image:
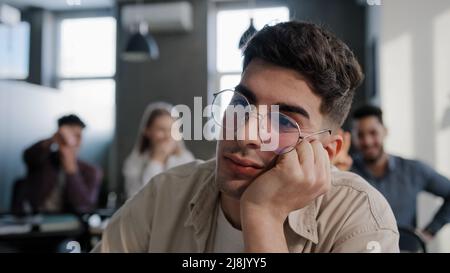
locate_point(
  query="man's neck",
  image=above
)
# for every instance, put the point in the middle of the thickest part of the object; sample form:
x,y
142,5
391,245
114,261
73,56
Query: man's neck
x,y
231,209
378,168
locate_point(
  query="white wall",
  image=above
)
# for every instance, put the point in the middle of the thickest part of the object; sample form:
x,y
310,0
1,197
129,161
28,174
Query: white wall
x,y
29,113
415,89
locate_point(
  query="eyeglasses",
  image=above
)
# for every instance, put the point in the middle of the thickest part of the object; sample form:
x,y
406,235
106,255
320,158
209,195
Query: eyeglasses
x,y
231,110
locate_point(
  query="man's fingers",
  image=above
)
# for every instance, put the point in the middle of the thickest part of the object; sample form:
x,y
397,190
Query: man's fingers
x,y
289,160
323,162
322,165
60,139
305,155
319,153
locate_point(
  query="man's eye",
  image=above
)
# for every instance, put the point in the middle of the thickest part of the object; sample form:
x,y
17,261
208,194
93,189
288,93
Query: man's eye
x,y
286,124
237,101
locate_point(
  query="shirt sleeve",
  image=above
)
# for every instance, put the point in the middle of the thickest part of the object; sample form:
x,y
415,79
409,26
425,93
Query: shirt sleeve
x,y
130,227
438,185
83,188
37,154
369,241
368,225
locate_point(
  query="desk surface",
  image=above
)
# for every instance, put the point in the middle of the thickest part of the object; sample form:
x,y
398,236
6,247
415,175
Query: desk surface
x,y
39,225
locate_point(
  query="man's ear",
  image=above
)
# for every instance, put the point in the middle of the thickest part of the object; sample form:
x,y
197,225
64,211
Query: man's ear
x,y
334,146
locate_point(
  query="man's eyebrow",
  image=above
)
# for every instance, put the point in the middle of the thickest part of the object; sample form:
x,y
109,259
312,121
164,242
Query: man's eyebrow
x,y
283,107
246,92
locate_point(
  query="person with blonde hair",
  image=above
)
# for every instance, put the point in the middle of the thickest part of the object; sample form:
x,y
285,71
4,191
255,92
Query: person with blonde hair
x,y
155,149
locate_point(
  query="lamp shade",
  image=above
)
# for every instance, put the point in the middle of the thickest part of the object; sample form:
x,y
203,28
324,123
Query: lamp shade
x,y
141,47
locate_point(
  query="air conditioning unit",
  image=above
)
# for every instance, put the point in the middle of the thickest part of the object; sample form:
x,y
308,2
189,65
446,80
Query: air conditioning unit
x,y
9,15
160,17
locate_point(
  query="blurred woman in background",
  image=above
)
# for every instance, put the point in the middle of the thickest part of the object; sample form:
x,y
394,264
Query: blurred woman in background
x,y
155,149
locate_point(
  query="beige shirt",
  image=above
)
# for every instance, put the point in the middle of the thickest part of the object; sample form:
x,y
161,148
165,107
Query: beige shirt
x,y
177,212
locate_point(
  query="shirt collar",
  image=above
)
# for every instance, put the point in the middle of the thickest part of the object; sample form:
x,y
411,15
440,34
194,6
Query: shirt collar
x,y
360,165
203,212
202,205
202,208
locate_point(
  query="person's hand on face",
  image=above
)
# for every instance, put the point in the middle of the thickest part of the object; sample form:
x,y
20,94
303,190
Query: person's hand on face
x,y
296,179
159,133
67,141
65,137
162,149
343,161
68,158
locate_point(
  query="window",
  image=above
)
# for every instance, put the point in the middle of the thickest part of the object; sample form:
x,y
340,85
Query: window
x,y
230,25
86,65
14,51
88,47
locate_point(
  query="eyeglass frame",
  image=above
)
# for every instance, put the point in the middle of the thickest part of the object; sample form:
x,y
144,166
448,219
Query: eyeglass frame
x,y
300,137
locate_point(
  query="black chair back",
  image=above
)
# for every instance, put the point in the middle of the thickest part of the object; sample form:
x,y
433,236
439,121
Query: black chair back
x,y
410,241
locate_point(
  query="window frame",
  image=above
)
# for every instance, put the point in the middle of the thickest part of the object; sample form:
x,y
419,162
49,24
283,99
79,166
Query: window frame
x,y
59,17
216,6
27,56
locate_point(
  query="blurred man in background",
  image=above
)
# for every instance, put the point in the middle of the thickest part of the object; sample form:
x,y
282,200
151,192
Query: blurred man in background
x,y
57,181
399,179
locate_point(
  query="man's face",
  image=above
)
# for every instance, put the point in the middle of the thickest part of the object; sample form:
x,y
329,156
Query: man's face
x,y
72,136
240,161
78,135
369,135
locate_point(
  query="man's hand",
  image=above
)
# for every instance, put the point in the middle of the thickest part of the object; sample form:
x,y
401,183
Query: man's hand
x,y
297,178
64,136
68,157
67,136
67,150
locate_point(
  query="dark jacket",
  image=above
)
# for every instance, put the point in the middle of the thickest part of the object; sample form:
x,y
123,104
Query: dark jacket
x,y
43,165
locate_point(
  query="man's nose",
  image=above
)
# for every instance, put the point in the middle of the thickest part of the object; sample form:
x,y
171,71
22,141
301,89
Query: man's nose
x,y
248,135
366,141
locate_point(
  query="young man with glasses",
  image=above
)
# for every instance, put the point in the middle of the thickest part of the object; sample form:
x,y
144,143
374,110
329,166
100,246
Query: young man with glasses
x,y
285,199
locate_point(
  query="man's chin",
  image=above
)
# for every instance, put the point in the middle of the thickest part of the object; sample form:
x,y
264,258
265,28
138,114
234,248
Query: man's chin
x,y
372,158
234,188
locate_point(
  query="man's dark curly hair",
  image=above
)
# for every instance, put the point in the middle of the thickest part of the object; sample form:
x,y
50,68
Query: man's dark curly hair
x,y
328,65
71,120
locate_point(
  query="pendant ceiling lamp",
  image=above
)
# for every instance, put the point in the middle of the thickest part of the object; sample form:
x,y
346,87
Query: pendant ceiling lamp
x,y
141,45
251,30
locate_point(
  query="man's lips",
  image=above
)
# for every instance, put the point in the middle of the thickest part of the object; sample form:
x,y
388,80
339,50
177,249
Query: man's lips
x,y
243,162
242,166
369,149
